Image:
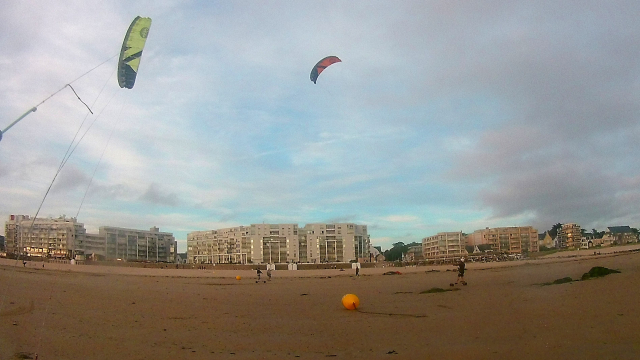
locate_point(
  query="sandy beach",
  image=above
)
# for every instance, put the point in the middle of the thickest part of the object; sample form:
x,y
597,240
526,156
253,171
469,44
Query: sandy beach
x,y
100,312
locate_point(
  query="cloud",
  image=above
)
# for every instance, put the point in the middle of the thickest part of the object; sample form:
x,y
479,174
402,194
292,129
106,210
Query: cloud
x,y
442,116
71,178
400,218
154,195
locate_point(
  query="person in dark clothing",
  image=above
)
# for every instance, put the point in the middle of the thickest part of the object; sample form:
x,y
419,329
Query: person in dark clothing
x,y
259,273
461,266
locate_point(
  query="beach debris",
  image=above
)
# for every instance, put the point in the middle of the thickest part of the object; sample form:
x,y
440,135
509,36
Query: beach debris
x,y
350,301
238,277
392,273
392,352
598,271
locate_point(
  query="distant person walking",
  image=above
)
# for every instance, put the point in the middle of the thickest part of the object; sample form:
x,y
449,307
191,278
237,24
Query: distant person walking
x,y
269,274
357,270
259,273
461,268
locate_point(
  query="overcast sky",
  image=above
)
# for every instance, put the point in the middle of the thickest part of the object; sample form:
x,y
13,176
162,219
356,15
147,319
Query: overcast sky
x,y
442,115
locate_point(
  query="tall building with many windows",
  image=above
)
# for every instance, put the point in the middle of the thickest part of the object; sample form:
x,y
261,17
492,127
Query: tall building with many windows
x,y
444,245
280,243
339,242
512,239
223,246
65,237
45,237
138,245
274,243
569,236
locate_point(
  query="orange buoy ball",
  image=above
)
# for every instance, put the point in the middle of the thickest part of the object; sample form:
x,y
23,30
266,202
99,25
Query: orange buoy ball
x,y
238,277
350,301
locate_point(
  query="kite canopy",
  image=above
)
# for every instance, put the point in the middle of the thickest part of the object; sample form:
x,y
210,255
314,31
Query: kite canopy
x,y
321,65
131,52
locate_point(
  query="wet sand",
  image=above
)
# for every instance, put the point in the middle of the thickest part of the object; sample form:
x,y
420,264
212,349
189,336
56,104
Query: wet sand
x,y
99,312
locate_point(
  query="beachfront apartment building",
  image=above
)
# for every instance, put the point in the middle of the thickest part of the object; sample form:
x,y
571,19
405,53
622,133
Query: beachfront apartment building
x,y
280,243
223,246
66,238
569,236
137,245
444,245
43,237
511,239
337,242
257,243
275,243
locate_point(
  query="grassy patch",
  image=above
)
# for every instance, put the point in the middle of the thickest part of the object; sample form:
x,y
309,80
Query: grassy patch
x,y
541,253
437,290
598,271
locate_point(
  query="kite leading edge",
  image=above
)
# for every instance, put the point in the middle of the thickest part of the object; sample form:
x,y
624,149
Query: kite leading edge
x,y
321,65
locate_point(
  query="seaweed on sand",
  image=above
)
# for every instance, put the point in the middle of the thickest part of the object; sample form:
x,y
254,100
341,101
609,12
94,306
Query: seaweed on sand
x,y
564,280
437,290
598,271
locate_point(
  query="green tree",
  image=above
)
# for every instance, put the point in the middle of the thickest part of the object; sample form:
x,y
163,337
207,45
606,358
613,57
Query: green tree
x,y
395,253
554,230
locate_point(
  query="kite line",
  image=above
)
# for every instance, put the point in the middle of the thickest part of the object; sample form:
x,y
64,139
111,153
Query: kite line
x,y
33,109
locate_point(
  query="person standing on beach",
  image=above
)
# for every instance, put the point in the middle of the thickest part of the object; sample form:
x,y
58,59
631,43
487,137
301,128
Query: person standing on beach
x,y
269,274
358,270
259,273
461,267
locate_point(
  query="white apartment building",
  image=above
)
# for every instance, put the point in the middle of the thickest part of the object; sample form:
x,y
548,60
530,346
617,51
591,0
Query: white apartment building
x,y
339,242
223,246
444,245
274,243
65,237
137,245
279,243
44,237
